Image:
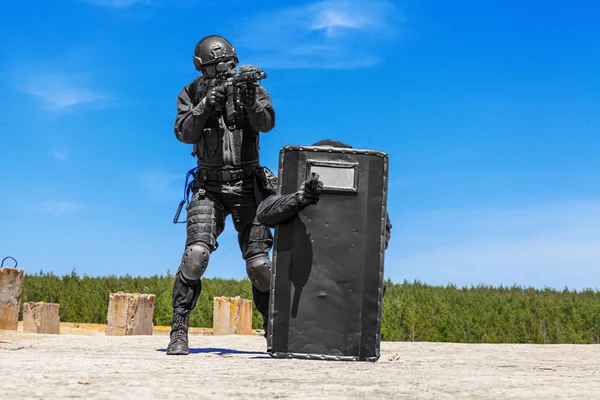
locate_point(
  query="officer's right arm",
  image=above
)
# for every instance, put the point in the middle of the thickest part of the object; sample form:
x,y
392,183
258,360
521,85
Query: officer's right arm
x,y
190,120
276,209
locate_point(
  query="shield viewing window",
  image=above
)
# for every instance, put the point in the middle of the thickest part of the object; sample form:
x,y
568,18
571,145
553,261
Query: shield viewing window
x,y
336,176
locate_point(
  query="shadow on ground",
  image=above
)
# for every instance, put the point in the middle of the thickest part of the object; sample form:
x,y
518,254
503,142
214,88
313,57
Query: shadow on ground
x,y
223,352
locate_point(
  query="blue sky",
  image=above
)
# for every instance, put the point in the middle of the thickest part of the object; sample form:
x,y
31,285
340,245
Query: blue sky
x,y
489,113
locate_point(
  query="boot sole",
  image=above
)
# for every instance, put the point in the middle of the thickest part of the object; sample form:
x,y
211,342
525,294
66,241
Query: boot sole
x,y
178,353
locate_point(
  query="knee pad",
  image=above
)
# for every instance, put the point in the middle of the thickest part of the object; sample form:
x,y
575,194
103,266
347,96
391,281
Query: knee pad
x,y
258,269
194,262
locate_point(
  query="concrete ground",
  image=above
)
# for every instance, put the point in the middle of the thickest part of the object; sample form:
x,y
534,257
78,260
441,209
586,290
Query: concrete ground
x,y
95,366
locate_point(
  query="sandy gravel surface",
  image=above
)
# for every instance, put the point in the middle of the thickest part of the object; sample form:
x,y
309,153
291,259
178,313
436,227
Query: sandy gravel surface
x,y
236,367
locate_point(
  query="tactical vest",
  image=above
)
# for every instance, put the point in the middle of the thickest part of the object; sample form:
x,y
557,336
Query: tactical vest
x,y
219,146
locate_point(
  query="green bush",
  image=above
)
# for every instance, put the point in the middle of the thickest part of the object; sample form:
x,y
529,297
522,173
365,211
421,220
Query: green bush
x,y
411,311
85,299
484,314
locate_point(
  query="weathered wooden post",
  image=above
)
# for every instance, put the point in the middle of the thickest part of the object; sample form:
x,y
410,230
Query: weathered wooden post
x,y
41,318
130,314
11,287
232,316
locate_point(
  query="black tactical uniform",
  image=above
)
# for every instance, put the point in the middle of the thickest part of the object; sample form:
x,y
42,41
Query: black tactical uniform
x,y
223,122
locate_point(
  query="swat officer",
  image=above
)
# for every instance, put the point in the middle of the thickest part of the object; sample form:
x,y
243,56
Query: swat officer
x,y
277,208
222,120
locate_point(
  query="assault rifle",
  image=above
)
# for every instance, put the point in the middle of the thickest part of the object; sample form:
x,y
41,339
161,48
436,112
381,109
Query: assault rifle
x,y
247,74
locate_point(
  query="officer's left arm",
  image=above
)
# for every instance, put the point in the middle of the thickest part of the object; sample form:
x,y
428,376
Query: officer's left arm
x,y
278,208
388,229
260,111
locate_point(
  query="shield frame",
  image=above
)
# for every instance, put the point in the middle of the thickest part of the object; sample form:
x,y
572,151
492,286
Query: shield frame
x,y
352,185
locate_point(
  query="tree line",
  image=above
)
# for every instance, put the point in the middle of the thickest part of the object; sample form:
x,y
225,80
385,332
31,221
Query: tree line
x,y
411,311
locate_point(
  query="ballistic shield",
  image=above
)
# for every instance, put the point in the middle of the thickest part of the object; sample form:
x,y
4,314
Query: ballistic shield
x,y
327,282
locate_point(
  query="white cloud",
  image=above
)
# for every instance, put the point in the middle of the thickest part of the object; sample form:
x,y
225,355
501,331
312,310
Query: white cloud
x,y
162,186
334,16
59,90
126,5
115,3
553,245
59,154
325,34
59,207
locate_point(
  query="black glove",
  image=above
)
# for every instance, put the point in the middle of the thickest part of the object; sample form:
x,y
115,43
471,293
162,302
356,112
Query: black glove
x,y
312,190
216,97
248,96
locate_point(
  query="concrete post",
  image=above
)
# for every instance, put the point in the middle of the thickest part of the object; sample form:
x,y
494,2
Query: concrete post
x,y
41,318
232,316
11,287
130,314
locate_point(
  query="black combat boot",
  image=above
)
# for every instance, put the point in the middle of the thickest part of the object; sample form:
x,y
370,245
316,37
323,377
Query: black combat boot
x,y
179,333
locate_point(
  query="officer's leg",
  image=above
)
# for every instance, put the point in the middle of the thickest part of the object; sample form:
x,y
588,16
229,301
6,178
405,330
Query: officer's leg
x,y
258,268
205,221
255,242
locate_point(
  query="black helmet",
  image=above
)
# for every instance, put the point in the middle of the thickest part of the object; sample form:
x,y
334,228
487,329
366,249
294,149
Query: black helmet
x,y
213,49
332,143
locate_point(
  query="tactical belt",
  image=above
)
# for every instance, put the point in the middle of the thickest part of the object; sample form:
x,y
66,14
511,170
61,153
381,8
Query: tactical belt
x,y
227,175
